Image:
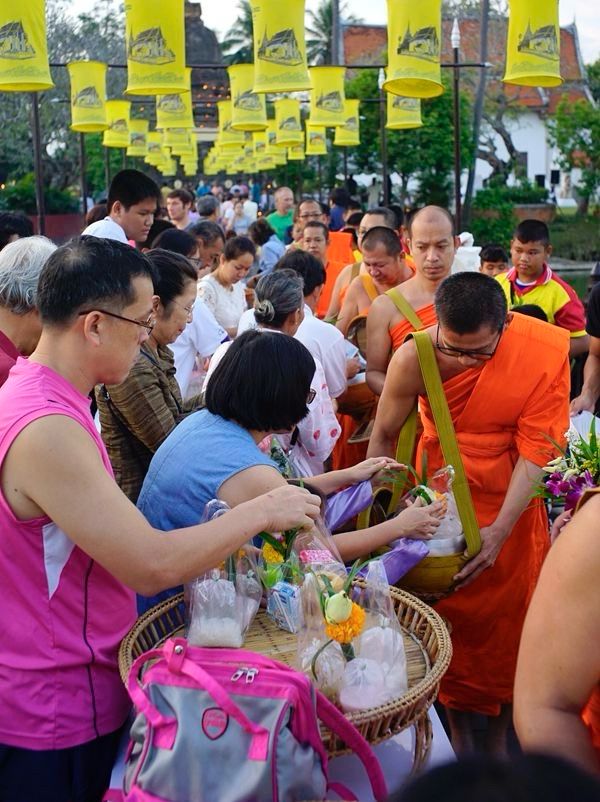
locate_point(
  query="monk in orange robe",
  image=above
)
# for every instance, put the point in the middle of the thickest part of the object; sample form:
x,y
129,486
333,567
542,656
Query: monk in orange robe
x,y
506,380
558,671
431,240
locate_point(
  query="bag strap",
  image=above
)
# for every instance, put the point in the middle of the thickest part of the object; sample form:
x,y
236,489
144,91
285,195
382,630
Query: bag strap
x,y
339,724
368,286
405,309
447,438
355,270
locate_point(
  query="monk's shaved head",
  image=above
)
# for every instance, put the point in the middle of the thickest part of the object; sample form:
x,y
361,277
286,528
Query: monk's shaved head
x,y
432,215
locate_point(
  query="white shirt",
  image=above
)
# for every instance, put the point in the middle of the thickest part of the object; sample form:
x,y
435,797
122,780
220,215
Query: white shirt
x,y
318,431
202,336
226,303
324,341
106,229
251,210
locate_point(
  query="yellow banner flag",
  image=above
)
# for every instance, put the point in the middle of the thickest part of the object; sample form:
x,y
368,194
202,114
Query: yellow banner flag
x,y
348,135
287,123
414,48
403,112
175,110
248,109
154,152
155,41
23,49
279,46
138,138
316,140
228,138
533,43
295,153
88,96
117,115
327,96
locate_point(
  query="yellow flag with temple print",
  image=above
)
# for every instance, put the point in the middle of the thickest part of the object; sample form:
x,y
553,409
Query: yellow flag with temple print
x,y
138,138
288,128
23,48
316,140
327,96
248,109
414,48
403,112
117,115
175,110
348,134
279,46
533,43
88,96
155,42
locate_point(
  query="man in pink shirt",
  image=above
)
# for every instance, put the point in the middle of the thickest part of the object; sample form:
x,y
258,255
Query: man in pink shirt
x,y
74,549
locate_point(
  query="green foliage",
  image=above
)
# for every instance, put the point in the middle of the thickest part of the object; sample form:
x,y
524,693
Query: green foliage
x,y
425,154
575,131
576,238
319,31
20,196
593,73
238,46
493,218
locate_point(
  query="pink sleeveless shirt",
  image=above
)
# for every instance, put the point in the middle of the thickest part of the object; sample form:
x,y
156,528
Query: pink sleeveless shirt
x,y
62,615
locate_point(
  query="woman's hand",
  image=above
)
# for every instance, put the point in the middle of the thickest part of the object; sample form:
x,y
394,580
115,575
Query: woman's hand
x,y
369,468
419,520
559,524
287,508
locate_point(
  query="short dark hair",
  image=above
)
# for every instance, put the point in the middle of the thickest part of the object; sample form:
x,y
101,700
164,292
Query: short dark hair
x,y
158,226
307,266
12,223
238,246
172,271
325,210
490,252
465,302
262,382
130,187
207,205
96,213
88,272
183,195
207,231
340,197
532,231
398,213
444,212
531,310
310,200
381,235
318,224
387,214
354,219
172,239
260,231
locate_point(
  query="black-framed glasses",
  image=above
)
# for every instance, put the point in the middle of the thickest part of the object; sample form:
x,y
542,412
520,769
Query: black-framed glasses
x,y
311,397
309,215
145,324
456,352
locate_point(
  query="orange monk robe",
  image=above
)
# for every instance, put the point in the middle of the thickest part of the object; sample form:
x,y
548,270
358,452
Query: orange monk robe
x,y
332,271
340,247
400,330
502,411
591,716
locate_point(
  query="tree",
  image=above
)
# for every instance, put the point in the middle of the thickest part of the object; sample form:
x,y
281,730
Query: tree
x,y
575,131
593,73
238,47
319,31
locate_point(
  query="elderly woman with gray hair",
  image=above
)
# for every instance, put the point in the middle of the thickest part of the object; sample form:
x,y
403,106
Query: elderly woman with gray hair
x,y
279,306
21,263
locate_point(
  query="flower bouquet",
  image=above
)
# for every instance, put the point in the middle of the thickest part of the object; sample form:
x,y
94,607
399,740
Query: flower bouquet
x,y
350,644
573,472
221,604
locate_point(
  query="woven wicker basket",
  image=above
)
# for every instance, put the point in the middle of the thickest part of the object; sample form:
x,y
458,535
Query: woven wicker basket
x,y
428,653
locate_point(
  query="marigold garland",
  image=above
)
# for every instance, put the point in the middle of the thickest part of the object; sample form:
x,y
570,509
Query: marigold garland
x,y
349,629
271,555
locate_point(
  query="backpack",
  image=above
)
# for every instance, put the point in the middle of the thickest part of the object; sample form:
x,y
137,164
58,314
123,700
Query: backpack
x,y
228,725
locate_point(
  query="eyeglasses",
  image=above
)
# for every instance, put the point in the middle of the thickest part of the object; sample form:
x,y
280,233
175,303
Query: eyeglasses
x,y
457,352
189,310
309,215
145,324
311,397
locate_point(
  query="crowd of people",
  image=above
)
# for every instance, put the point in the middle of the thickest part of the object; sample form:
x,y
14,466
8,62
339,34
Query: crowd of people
x,y
217,350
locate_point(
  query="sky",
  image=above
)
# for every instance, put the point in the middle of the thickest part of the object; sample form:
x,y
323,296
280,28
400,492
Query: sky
x,y
219,15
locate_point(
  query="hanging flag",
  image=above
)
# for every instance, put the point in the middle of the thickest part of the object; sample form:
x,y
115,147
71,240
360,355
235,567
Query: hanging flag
x,y
138,138
175,137
155,41
23,49
88,96
533,43
248,110
279,46
228,138
295,153
414,48
403,112
175,110
287,123
117,116
327,95
348,134
154,152
316,140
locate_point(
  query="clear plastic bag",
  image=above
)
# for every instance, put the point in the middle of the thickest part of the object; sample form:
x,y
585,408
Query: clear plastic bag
x,y
449,537
221,604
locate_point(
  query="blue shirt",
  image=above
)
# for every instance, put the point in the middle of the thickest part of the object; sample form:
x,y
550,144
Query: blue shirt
x,y
189,469
270,253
